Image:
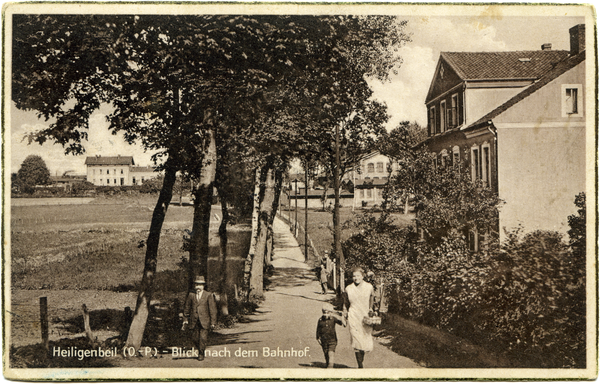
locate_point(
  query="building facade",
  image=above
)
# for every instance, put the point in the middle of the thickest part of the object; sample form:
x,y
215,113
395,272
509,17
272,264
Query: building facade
x,y
116,171
518,120
370,178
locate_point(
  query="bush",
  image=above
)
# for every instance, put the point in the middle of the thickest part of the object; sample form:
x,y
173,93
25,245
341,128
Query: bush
x,y
82,187
525,298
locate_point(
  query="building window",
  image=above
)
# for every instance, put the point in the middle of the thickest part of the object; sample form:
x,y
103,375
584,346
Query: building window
x,y
485,164
475,164
456,155
369,193
388,167
93,171
380,167
107,181
454,110
370,168
134,181
572,100
477,241
121,171
115,181
108,171
114,171
445,158
362,193
142,179
122,181
380,193
100,181
443,116
473,246
100,170
432,120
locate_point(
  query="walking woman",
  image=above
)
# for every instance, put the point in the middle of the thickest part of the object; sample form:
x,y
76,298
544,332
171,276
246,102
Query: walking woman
x,y
358,302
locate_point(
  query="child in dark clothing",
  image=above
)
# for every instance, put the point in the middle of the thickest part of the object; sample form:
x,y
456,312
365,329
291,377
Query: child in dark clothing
x,y
326,335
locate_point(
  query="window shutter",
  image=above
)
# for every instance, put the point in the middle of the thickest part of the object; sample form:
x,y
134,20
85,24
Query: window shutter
x,y
437,119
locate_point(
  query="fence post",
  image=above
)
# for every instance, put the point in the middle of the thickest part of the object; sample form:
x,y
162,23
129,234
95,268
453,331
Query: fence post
x,y
44,321
86,323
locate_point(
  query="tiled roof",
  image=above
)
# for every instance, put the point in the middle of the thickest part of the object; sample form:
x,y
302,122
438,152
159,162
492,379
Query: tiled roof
x,y
558,70
109,160
503,65
142,169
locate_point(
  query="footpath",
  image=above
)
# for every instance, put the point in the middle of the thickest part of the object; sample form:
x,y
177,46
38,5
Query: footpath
x,y
281,333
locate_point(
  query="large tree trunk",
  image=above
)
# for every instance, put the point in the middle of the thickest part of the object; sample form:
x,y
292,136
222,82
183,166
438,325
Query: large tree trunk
x,y
203,195
142,307
254,235
223,290
255,293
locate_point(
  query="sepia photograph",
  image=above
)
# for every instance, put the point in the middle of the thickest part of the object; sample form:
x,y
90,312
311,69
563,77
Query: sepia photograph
x,y
217,191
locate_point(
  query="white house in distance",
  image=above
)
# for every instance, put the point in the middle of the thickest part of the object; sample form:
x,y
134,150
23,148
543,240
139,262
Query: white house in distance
x,y
370,177
116,171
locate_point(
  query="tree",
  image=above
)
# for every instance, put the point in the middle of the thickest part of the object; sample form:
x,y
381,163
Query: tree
x,y
33,172
577,231
447,202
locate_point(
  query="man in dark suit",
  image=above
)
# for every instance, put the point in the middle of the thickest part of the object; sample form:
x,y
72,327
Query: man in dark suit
x,y
200,312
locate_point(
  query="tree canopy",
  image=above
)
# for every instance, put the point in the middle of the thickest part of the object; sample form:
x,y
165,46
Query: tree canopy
x,y
33,172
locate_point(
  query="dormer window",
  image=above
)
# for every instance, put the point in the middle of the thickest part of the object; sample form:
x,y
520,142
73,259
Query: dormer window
x,y
572,100
525,59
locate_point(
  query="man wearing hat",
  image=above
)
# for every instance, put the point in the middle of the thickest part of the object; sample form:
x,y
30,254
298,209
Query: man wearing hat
x,y
200,312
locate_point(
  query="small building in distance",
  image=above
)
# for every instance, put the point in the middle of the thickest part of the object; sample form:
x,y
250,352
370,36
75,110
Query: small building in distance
x,y
370,177
116,171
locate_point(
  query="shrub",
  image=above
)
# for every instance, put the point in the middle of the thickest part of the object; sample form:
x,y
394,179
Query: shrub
x,y
525,298
82,187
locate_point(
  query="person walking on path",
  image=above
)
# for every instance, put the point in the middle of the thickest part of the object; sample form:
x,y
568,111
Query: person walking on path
x,y
200,312
326,335
323,278
358,304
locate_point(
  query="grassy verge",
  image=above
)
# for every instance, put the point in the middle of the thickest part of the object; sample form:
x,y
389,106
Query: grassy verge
x,y
320,225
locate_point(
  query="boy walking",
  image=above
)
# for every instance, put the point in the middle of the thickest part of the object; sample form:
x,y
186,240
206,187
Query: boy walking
x,y
326,335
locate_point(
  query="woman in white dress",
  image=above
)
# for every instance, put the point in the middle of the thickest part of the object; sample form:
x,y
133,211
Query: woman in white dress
x,y
358,302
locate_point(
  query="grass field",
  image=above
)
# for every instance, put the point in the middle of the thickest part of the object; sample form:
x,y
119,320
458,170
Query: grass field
x,y
100,246
94,254
320,225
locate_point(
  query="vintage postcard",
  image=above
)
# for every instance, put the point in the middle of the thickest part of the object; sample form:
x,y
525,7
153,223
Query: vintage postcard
x,y
306,191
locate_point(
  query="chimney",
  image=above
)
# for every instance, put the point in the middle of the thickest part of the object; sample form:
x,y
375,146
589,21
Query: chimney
x,y
577,39
546,47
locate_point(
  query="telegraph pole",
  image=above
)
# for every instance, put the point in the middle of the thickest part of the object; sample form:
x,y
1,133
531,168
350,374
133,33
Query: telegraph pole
x,y
306,211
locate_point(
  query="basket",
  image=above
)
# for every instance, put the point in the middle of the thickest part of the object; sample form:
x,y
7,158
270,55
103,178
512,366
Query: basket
x,y
372,320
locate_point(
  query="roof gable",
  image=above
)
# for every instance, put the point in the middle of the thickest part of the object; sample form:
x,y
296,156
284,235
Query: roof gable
x,y
445,78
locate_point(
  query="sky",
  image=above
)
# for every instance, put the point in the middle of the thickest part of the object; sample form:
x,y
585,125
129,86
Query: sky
x,y
404,94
